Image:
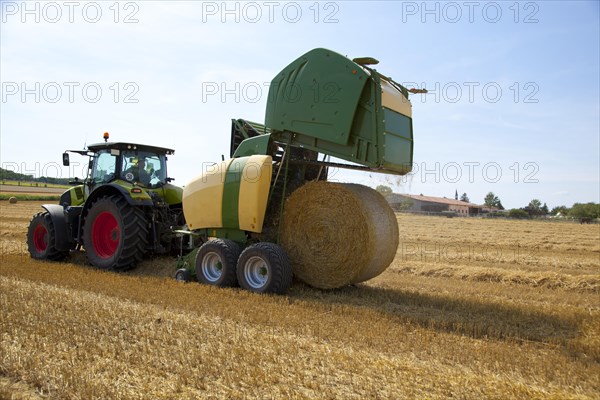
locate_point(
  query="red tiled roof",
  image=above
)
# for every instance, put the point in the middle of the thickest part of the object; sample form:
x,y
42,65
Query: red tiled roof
x,y
441,200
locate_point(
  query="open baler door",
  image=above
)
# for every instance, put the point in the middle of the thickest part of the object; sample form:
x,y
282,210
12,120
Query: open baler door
x,y
328,103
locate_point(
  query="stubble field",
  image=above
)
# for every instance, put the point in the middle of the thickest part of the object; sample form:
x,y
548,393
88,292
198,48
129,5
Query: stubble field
x,y
470,308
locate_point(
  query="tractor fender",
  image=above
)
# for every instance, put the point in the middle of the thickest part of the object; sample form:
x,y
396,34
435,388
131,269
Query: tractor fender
x,y
61,235
110,189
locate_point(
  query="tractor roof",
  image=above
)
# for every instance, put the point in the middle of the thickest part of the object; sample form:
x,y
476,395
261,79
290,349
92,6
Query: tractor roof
x,y
129,146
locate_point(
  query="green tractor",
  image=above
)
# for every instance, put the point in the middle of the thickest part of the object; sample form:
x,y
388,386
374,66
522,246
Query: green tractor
x,y
126,208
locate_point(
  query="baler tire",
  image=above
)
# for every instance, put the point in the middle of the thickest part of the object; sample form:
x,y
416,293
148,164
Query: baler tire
x,y
115,234
41,239
216,261
265,268
183,275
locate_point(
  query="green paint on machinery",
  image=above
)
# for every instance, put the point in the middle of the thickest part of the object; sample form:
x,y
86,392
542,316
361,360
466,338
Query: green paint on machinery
x,y
231,193
329,104
225,223
124,209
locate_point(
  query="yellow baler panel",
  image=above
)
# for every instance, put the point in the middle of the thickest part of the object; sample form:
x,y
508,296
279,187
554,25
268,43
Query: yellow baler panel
x,y
203,197
254,192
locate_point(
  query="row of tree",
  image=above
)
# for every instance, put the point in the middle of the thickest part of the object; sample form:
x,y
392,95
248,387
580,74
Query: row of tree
x,y
535,208
8,175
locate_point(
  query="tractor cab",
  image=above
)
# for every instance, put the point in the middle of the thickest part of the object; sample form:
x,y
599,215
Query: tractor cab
x,y
138,169
145,166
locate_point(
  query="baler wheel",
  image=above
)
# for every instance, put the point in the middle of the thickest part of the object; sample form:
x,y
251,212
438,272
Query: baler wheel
x,y
183,275
264,268
215,263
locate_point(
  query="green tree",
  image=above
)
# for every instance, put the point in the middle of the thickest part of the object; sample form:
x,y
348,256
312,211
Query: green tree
x,y
491,200
405,205
384,190
535,204
464,198
563,210
534,207
518,213
585,211
544,209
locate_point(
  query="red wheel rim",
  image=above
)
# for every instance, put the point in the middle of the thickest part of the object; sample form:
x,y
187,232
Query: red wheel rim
x,y
105,235
40,238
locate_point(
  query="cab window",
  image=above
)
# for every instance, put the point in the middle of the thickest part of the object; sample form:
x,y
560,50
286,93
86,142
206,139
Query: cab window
x,y
144,168
103,169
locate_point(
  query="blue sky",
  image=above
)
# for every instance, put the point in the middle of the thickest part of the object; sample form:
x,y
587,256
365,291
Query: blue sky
x,y
514,106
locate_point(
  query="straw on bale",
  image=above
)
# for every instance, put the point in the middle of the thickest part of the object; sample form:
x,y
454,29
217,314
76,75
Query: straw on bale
x,y
12,200
337,234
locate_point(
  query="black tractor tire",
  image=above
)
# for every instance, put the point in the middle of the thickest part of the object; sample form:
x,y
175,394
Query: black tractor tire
x,y
264,268
41,239
115,234
216,261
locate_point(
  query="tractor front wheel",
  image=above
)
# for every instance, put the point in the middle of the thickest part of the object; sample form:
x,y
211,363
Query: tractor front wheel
x,y
41,239
115,234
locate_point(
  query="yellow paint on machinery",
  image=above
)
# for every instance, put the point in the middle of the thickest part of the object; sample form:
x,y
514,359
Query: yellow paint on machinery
x,y
254,192
393,99
203,197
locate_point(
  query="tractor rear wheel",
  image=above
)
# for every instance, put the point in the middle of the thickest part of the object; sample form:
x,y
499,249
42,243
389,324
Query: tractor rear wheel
x,y
264,268
41,239
215,262
115,234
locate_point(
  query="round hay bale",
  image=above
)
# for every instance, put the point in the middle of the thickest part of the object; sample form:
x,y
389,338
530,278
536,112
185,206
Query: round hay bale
x,y
337,234
12,200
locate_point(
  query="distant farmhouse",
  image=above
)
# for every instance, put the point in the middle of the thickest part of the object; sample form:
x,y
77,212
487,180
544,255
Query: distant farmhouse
x,y
420,203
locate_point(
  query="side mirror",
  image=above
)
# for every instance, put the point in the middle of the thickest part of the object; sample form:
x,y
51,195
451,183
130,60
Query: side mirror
x,y
66,159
